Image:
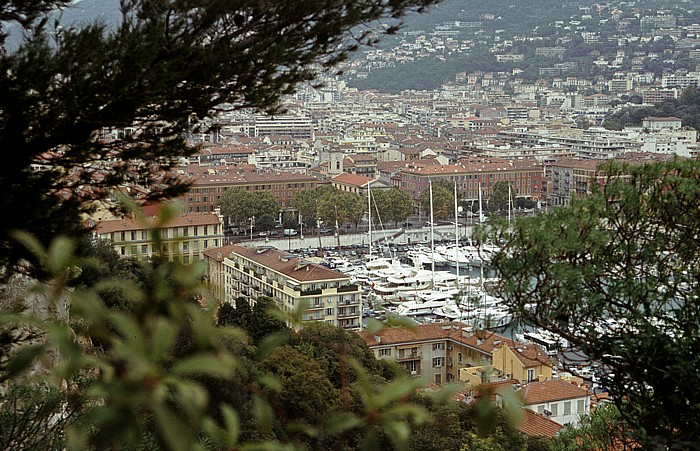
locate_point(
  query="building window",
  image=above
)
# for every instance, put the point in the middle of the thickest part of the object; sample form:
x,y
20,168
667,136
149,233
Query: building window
x,y
185,231
540,409
554,408
530,375
329,311
438,362
144,248
580,405
438,379
185,247
459,357
438,346
384,352
567,408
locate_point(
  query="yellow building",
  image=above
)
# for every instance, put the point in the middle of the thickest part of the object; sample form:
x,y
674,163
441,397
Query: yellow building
x,y
522,362
237,271
184,238
436,352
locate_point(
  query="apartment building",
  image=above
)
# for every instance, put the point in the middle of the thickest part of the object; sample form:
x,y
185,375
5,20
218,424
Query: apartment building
x,y
329,296
475,174
435,352
184,238
209,183
577,177
559,401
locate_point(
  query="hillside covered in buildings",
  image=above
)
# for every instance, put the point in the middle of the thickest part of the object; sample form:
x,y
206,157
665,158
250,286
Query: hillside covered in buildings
x,y
477,233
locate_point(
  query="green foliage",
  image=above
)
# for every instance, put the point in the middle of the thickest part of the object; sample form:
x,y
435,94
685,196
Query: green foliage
x,y
603,429
616,274
108,265
500,198
239,206
34,417
686,108
443,200
330,205
306,394
394,204
258,322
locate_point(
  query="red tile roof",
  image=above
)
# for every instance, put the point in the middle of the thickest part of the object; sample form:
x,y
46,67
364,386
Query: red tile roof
x,y
535,424
486,342
352,179
531,355
547,391
129,224
275,259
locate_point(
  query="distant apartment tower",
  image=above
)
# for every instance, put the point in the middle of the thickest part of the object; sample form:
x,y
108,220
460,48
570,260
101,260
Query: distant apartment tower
x,y
550,52
298,127
662,123
659,95
679,81
474,175
661,21
618,85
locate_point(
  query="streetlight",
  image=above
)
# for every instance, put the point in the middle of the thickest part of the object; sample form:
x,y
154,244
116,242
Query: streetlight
x,y
252,223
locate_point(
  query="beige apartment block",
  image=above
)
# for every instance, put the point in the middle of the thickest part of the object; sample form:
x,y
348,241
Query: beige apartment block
x,y
184,238
237,271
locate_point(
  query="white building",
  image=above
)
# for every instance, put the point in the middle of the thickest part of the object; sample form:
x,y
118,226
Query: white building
x,y
560,401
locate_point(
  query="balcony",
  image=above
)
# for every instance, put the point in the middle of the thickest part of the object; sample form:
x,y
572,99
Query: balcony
x,y
314,292
347,288
348,314
409,356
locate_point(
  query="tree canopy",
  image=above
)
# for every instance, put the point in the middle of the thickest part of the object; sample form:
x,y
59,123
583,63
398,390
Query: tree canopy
x,y
164,69
617,274
239,206
394,204
443,200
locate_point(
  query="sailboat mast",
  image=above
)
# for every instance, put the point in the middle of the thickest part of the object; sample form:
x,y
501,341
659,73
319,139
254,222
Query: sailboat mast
x,y
510,203
432,234
369,219
456,235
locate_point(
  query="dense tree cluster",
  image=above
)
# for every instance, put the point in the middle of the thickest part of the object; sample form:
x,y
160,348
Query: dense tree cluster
x,y
616,274
443,200
169,378
686,108
243,208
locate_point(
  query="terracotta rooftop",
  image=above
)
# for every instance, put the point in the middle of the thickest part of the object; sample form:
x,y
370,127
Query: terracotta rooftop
x,y
531,355
129,224
352,179
275,259
534,424
485,342
547,391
